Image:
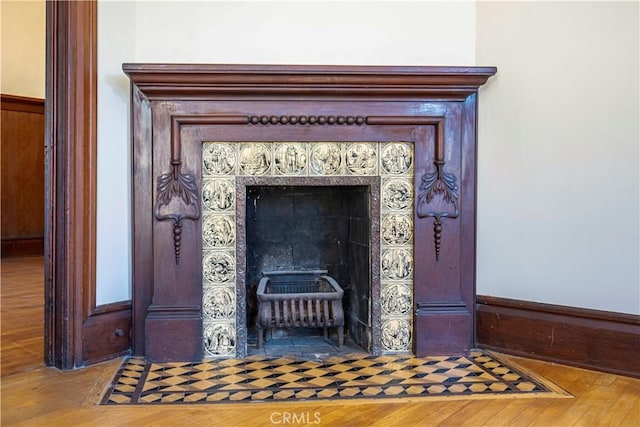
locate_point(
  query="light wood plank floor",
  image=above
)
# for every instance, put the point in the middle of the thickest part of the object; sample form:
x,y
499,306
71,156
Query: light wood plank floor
x,y
34,395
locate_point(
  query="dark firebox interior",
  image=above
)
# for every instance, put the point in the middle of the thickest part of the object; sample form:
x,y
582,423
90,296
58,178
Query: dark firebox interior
x,y
313,227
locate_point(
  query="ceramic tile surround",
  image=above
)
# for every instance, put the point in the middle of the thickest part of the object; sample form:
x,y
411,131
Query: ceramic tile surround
x,y
223,162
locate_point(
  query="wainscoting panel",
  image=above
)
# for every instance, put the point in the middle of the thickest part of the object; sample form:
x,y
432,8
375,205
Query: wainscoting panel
x,y
591,339
22,175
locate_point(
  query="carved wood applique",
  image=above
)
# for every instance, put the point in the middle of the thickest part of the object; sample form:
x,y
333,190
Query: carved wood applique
x,y
438,186
177,195
310,120
176,185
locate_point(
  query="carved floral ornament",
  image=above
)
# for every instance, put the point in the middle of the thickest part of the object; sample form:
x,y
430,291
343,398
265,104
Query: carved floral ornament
x,y
181,187
434,185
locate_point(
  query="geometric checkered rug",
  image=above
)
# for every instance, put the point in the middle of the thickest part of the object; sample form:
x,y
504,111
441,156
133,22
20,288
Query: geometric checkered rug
x,y
354,376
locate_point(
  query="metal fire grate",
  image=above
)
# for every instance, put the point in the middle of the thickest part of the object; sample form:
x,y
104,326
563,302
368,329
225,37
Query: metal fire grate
x,y
295,299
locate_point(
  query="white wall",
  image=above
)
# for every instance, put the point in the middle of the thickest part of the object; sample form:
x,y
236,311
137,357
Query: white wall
x,y
307,32
558,155
558,172
22,48
116,44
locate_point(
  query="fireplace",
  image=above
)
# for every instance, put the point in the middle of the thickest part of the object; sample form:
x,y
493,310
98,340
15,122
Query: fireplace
x,y
365,172
303,229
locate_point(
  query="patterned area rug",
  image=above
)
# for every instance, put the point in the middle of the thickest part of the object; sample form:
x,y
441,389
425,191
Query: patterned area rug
x,y
354,376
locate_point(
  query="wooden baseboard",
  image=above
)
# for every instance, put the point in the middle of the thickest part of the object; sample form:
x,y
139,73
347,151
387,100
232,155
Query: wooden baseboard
x,y
592,339
107,332
22,247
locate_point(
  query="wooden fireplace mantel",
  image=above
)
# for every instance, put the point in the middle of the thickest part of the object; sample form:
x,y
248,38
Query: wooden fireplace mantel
x,y
184,81
176,107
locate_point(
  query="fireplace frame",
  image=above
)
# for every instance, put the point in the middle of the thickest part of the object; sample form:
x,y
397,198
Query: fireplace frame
x,y
174,106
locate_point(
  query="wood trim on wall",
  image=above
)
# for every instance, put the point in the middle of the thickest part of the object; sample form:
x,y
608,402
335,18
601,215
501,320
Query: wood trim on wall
x,y
106,333
592,339
76,331
24,104
22,247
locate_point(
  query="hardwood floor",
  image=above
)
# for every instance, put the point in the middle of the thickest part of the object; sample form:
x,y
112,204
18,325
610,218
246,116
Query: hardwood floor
x,y
22,314
34,395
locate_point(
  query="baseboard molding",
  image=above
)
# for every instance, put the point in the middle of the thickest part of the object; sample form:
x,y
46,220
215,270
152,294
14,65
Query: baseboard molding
x,y
22,247
107,332
592,339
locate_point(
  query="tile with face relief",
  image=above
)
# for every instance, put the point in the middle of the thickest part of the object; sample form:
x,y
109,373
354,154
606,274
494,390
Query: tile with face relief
x,y
396,158
255,158
396,264
290,158
218,231
396,299
218,159
219,266
218,302
361,158
219,195
326,158
395,335
219,339
397,193
396,229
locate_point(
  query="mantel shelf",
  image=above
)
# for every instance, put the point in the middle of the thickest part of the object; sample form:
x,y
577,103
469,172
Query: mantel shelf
x,y
207,80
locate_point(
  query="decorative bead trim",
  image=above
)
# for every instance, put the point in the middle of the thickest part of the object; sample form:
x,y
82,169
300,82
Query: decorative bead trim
x,y
307,120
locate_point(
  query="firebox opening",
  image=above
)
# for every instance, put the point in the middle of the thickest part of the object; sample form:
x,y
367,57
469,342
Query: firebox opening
x,y
312,228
